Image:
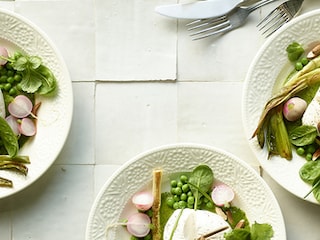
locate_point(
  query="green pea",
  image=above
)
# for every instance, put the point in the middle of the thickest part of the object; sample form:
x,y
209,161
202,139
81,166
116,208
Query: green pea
x,y
176,205
180,184
148,237
134,238
183,197
17,77
7,87
173,183
184,178
178,191
10,73
3,79
176,198
190,194
170,201
309,157
209,205
298,66
185,188
311,149
300,151
190,200
10,79
182,204
304,61
13,91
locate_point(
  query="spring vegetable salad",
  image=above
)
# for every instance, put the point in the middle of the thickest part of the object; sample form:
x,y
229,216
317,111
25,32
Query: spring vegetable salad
x,y
291,118
197,206
22,78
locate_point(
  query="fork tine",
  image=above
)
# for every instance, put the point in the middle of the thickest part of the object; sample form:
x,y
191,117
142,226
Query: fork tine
x,y
213,28
275,27
208,32
205,20
267,17
208,22
276,16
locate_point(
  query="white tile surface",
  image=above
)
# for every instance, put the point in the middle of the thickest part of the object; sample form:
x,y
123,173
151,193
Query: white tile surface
x,y
144,115
79,147
70,25
133,42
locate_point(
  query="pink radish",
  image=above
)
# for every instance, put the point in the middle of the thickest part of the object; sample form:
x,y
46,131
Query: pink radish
x,y
222,194
3,53
20,107
27,127
139,224
13,123
143,200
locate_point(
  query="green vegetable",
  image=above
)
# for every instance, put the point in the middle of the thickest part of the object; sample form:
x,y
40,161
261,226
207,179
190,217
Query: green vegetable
x,y
310,171
316,189
303,135
256,232
8,138
201,181
5,182
35,77
294,51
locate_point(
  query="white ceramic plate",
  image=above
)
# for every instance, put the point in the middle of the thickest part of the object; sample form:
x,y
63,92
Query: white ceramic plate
x,y
55,114
271,63
113,201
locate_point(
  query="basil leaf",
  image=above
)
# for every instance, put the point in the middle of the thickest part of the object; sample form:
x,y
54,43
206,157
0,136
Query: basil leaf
x,y
9,139
303,135
310,171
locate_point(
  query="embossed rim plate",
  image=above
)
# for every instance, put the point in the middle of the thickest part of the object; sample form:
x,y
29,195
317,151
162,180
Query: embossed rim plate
x,y
112,203
55,114
270,63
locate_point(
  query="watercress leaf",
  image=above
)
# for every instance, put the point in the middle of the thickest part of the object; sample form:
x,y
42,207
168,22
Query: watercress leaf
x,y
238,234
34,62
294,51
49,82
261,231
237,215
310,171
31,81
303,135
9,139
20,64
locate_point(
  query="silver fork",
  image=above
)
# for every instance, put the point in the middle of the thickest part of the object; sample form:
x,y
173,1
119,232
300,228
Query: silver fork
x,y
233,19
279,16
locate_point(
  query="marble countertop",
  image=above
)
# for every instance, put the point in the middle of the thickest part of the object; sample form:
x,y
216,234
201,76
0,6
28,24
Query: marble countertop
x,y
139,82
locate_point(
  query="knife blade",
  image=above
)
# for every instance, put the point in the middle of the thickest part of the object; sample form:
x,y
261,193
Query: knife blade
x,y
201,9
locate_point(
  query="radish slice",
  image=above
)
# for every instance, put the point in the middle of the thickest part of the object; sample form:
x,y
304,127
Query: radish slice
x,y
139,224
143,200
13,123
3,53
222,194
20,107
27,127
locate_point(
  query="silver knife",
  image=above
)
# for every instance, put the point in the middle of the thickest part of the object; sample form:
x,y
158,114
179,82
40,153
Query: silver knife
x,y
201,9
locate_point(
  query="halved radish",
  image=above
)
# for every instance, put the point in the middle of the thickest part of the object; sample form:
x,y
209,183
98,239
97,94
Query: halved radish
x,y
222,194
139,224
20,107
27,127
3,53
143,200
13,123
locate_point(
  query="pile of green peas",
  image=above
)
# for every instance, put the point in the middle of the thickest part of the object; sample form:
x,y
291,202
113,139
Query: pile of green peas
x,y
307,151
10,80
301,63
182,196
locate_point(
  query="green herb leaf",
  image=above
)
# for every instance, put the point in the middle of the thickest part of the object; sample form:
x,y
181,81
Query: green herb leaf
x,y
310,171
202,178
30,82
261,231
294,51
239,234
303,135
34,62
9,139
20,64
316,189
